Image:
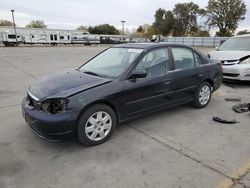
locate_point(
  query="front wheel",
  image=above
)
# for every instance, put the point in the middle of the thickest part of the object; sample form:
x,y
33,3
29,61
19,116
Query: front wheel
x,y
96,125
203,95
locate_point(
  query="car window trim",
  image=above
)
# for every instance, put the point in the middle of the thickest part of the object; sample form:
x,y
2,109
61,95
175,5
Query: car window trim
x,y
173,60
202,61
144,54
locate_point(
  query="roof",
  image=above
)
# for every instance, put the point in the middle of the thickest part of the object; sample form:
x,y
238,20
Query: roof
x,y
147,45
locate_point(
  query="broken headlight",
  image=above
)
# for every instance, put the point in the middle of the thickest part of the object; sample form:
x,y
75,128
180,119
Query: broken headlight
x,y
54,106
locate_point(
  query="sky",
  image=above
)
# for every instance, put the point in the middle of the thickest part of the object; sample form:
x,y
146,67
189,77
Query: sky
x,y
69,14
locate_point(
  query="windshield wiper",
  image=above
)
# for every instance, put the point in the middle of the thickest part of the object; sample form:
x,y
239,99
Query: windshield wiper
x,y
91,73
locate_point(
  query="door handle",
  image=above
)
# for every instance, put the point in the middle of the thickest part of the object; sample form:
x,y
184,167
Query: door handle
x,y
200,74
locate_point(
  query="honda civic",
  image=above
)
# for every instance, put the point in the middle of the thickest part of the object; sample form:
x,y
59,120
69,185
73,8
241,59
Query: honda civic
x,y
120,83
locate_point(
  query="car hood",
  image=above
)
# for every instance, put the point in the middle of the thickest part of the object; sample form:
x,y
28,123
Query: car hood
x,y
228,55
64,84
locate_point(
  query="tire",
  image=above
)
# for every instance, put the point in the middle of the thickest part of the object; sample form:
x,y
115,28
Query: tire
x,y
204,89
96,125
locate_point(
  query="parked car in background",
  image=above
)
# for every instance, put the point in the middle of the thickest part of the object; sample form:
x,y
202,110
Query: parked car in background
x,y
234,54
122,82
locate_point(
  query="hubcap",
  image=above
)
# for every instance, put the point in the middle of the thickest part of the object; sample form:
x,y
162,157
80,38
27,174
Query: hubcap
x,y
204,95
98,126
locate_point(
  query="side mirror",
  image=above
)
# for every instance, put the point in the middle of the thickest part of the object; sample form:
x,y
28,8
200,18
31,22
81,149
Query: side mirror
x,y
138,74
217,48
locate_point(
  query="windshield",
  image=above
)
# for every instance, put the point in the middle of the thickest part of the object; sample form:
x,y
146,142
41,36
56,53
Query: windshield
x,y
237,43
112,62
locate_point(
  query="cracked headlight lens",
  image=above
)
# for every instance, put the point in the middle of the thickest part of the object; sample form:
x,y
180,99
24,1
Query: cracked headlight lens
x,y
54,106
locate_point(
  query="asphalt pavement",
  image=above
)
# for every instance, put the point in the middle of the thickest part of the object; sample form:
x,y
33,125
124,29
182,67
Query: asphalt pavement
x,y
176,148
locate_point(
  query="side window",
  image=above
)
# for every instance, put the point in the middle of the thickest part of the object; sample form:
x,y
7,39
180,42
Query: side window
x,y
183,58
197,59
155,62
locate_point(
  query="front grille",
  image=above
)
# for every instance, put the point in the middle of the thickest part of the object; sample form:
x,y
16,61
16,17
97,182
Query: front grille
x,y
230,74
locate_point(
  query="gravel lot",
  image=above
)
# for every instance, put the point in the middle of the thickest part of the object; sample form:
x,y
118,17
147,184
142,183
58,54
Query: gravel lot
x,y
180,147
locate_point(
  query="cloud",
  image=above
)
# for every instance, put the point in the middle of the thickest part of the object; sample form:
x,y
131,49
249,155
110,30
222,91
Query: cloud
x,y
69,14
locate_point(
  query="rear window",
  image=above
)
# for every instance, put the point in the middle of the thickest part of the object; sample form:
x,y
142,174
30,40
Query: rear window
x,y
183,58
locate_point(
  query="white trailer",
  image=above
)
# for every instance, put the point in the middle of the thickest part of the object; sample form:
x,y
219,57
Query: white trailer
x,y
37,36
8,37
45,36
56,36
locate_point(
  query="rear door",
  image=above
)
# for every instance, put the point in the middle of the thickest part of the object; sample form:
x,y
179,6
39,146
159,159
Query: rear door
x,y
185,74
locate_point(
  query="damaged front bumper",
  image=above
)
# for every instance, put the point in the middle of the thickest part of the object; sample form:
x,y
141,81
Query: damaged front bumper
x,y
236,72
50,127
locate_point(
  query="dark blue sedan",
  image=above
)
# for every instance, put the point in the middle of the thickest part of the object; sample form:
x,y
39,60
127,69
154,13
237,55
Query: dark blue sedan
x,y
120,83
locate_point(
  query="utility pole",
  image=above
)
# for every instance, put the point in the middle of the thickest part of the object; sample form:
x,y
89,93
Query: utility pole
x,y
123,22
14,24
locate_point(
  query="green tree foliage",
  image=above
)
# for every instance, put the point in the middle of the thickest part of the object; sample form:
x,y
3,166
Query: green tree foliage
x,y
149,32
225,15
104,29
186,15
145,31
6,23
169,22
140,29
201,32
82,27
36,24
179,22
159,21
164,22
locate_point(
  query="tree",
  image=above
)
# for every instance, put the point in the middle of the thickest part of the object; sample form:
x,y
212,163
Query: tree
x,y
243,32
82,27
145,31
186,15
164,22
150,31
104,29
169,22
140,29
6,23
159,21
201,32
225,15
36,24
181,21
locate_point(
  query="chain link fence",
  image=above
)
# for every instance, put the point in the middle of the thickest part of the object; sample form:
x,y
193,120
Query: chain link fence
x,y
196,41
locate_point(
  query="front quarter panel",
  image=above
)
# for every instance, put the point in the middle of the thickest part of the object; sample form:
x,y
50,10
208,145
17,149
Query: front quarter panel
x,y
109,93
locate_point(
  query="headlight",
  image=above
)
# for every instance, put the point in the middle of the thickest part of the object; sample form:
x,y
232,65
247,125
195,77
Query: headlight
x,y
246,61
54,106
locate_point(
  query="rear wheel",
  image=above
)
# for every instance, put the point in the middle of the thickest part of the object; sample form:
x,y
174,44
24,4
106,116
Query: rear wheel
x,y
96,125
203,95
